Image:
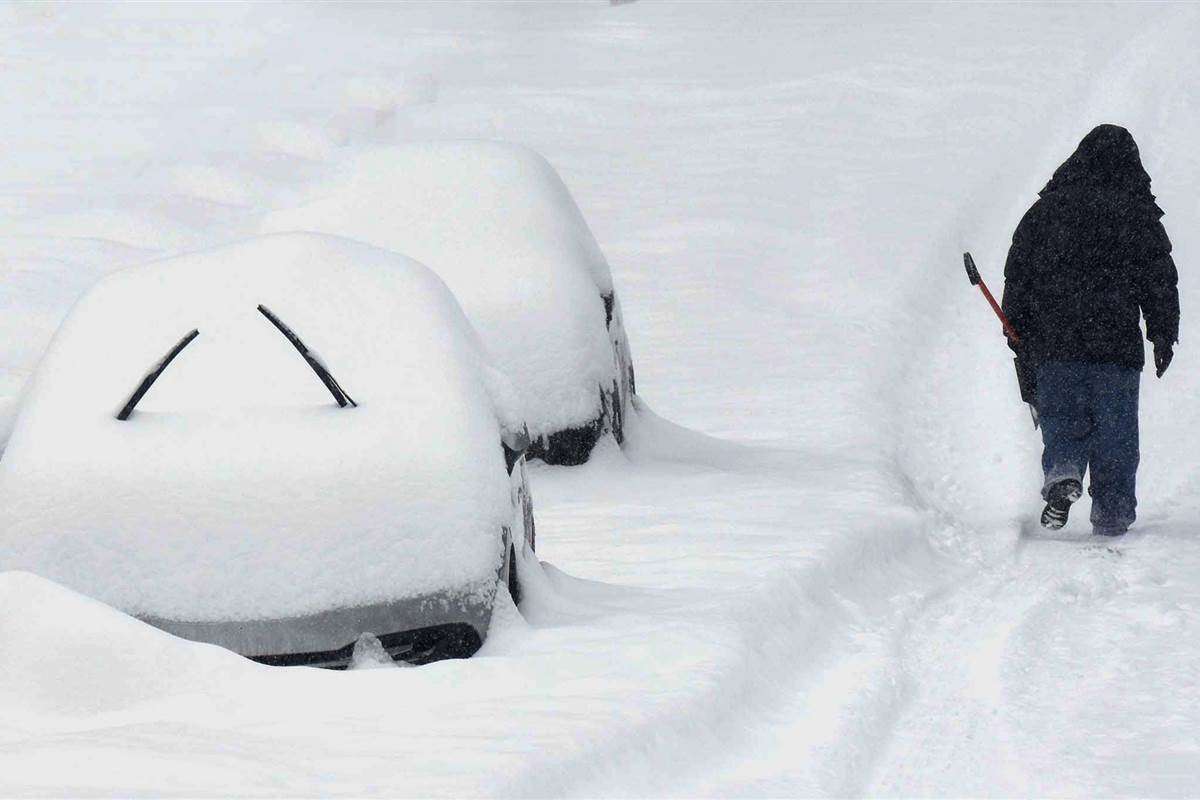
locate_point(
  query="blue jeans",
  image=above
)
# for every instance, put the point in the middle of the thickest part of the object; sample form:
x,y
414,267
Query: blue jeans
x,y
1089,416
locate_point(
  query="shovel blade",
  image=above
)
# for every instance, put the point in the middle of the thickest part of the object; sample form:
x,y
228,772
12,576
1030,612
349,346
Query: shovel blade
x,y
972,272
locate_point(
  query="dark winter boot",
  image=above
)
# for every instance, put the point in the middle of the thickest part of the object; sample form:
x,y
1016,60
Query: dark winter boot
x,y
1058,503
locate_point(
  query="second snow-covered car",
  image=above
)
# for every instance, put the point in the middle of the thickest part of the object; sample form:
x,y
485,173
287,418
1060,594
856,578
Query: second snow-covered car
x,y
184,454
498,224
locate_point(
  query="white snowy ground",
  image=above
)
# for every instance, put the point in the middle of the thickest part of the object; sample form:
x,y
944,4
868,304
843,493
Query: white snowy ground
x,y
833,596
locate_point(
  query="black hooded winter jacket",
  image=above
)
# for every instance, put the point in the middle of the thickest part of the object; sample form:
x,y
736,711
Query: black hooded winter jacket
x,y
1088,256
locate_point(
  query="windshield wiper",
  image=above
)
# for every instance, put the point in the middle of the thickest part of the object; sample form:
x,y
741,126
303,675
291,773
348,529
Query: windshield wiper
x,y
311,358
153,374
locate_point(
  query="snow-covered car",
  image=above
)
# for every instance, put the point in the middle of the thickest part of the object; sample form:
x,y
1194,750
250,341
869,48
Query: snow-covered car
x,y
249,493
499,226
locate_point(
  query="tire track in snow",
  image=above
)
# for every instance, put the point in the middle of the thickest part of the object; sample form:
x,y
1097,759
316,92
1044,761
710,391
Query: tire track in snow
x,y
784,638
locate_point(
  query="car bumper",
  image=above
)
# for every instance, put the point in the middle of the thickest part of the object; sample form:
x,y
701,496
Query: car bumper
x,y
417,630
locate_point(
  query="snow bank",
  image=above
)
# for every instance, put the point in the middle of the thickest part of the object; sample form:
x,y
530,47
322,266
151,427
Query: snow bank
x,y
238,489
499,226
65,655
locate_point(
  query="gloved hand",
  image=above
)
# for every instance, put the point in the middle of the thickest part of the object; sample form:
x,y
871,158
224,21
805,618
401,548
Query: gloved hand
x,y
1164,351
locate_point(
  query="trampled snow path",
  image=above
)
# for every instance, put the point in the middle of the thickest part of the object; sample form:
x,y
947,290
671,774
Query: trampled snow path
x,y
1056,667
1057,672
840,604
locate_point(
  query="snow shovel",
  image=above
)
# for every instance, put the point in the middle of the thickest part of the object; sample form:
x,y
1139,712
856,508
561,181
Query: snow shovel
x,y
1026,372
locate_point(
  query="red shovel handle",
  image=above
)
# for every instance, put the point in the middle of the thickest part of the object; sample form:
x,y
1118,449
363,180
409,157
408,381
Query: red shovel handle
x,y
977,280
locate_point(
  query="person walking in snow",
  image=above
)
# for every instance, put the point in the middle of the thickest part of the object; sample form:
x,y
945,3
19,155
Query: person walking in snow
x,y
1085,259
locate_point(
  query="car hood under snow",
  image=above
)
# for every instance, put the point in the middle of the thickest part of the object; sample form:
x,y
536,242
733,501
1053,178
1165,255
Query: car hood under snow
x,y
238,489
497,223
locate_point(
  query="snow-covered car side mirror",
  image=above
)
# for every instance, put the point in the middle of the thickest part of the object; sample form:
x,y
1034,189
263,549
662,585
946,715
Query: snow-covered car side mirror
x,y
515,443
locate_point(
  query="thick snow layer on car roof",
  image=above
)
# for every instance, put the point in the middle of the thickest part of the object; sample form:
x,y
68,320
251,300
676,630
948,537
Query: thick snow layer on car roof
x,y
497,223
239,489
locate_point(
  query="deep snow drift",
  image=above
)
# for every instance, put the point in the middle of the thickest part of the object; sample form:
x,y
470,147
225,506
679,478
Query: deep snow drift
x,y
835,598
